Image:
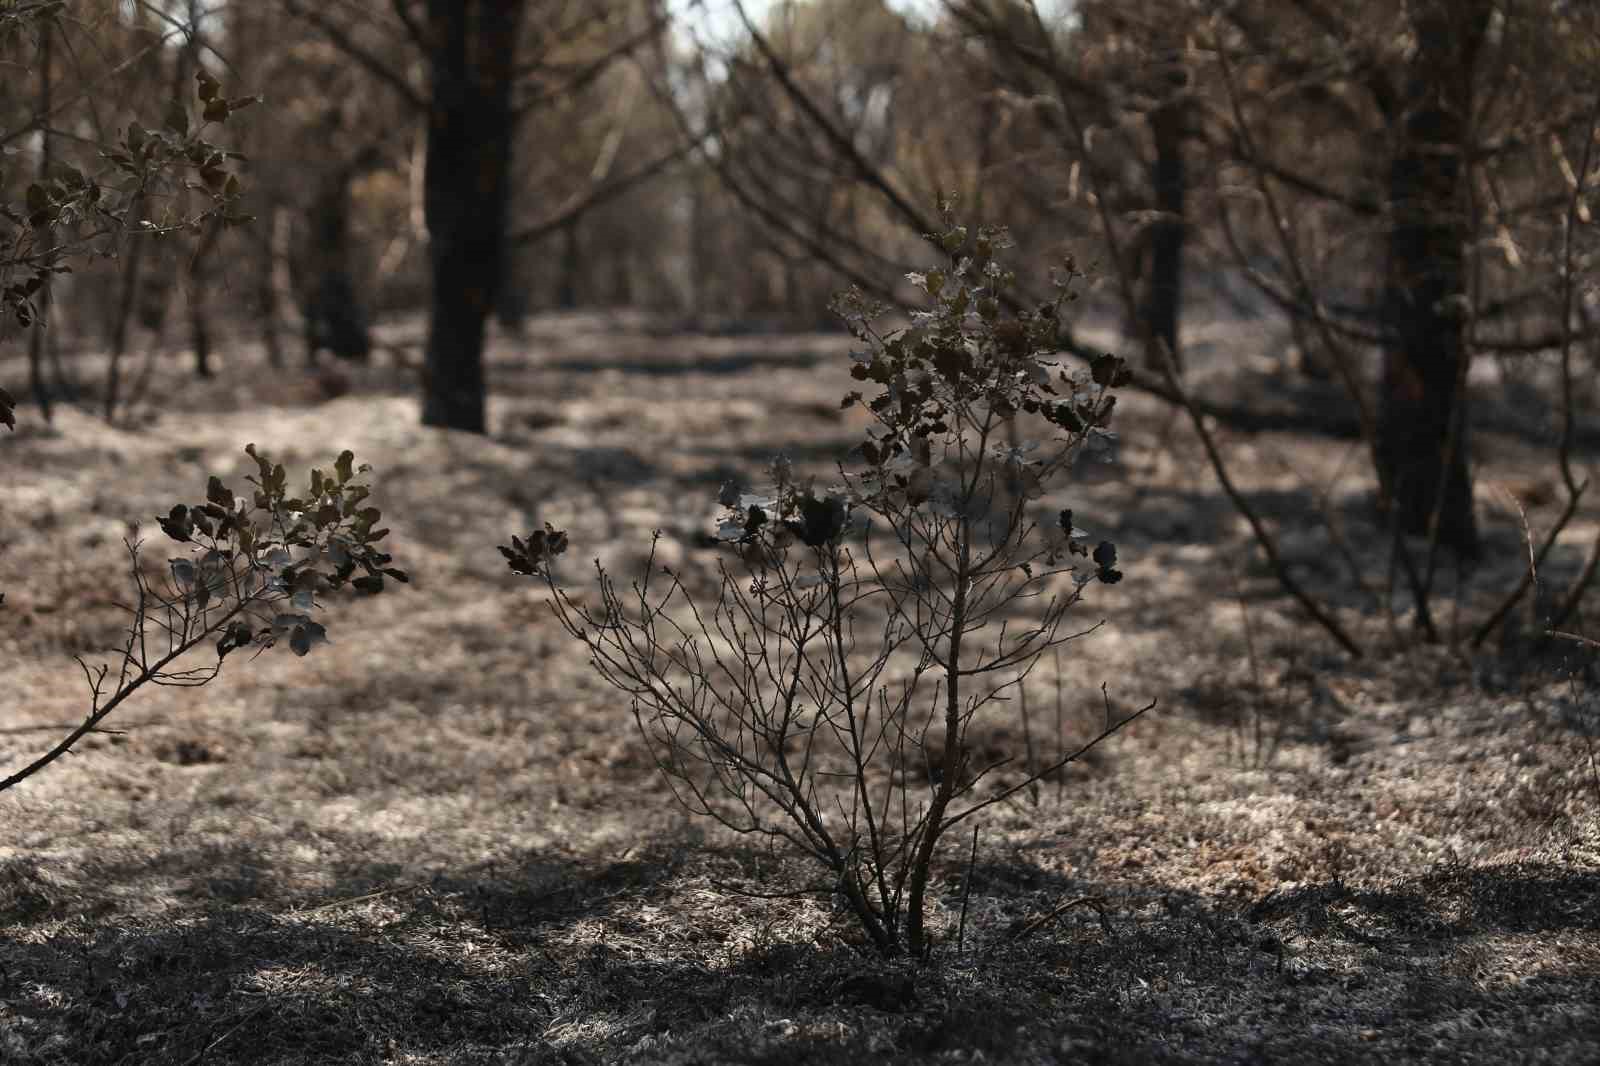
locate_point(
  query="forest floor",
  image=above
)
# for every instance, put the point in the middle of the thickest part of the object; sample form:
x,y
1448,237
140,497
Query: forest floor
x,y
440,840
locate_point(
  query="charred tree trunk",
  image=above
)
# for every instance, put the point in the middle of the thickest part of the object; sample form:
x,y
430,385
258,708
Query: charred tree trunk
x,y
198,297
200,333
571,266
269,284
472,53
335,315
194,272
1163,280
44,237
1422,423
128,283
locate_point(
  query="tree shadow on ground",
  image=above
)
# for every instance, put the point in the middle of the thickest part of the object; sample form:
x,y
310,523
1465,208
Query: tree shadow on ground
x,y
1453,902
462,967
371,964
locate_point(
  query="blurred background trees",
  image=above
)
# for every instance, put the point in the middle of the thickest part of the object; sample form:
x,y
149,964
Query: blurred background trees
x,y
1401,191
85,181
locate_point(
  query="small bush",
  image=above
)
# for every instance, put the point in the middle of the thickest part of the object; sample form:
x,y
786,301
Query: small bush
x,y
824,696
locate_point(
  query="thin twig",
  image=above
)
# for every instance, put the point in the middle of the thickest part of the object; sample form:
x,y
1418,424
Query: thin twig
x,y
966,892
1158,353
209,1048
1061,779
352,900
1268,544
1575,488
1093,902
1575,594
1027,739
1342,361
1255,669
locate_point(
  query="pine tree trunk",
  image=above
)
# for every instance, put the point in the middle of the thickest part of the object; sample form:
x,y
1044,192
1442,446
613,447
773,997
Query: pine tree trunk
x,y
44,239
198,295
1422,424
472,51
1164,278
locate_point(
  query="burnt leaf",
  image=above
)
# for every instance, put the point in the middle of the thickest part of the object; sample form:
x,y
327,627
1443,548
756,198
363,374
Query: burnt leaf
x,y
177,524
821,521
534,556
1105,557
950,361
1105,554
1066,416
237,635
1104,369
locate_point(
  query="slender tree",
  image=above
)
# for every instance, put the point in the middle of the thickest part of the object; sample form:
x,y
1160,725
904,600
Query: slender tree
x,y
1421,446
1122,70
1422,134
487,65
44,232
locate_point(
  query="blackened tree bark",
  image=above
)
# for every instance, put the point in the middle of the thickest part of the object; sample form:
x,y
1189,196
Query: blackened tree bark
x,y
1422,424
44,236
197,295
335,316
195,271
571,266
472,65
1159,302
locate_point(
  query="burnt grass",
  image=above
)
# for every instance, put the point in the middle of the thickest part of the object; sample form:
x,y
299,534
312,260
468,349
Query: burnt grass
x,y
438,839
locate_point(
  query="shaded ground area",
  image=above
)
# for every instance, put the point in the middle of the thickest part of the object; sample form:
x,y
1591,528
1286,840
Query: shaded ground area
x,y
439,841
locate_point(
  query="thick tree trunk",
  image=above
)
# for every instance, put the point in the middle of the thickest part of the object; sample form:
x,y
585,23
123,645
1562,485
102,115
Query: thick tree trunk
x,y
1422,423
472,51
1164,279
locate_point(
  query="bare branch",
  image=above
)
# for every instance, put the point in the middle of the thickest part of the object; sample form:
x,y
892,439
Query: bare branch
x,y
374,64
